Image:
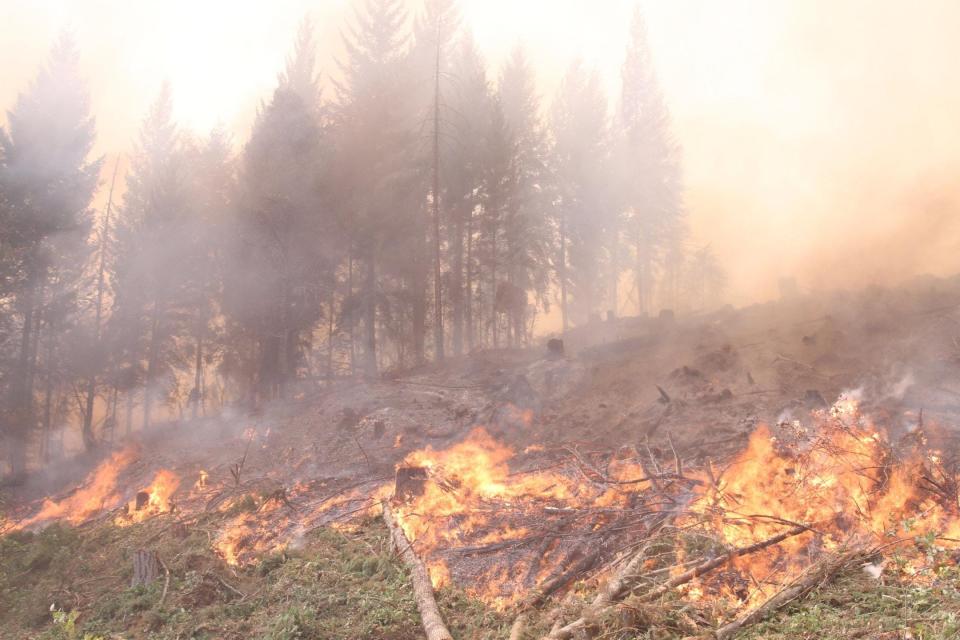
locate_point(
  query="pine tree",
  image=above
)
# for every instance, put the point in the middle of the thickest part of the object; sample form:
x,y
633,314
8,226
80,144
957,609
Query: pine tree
x,y
273,287
469,123
48,182
153,270
374,118
648,164
582,210
527,234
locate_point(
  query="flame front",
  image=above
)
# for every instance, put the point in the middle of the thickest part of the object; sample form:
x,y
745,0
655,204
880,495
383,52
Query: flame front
x,y
98,493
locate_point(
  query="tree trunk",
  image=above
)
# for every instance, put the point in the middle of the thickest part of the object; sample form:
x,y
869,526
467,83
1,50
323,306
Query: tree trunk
x,y
20,389
48,398
456,292
153,353
196,395
562,272
146,567
438,336
468,287
370,304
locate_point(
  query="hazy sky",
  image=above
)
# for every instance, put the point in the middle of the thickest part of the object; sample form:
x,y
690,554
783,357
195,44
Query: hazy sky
x,y
821,138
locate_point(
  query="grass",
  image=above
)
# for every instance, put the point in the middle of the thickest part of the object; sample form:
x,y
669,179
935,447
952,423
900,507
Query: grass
x,y
337,585
348,585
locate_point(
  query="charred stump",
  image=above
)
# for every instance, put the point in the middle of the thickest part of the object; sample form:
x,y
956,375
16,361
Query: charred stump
x,y
146,567
410,483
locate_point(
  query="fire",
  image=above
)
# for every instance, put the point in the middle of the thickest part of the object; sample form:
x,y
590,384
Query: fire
x,y
840,478
97,493
153,500
201,482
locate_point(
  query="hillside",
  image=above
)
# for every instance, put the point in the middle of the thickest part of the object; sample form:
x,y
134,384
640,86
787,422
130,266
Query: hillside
x,y
526,481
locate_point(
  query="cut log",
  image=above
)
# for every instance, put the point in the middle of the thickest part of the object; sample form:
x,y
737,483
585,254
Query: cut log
x,y
146,567
812,578
430,616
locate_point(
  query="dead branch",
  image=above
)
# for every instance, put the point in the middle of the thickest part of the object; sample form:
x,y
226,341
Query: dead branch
x,y
615,589
433,623
237,468
719,561
811,579
664,396
620,585
561,579
166,582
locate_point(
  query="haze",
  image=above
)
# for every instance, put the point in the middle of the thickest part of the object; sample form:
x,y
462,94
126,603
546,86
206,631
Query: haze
x,y
819,138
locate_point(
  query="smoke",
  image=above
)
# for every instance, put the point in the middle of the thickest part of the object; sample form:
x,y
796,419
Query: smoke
x,y
839,168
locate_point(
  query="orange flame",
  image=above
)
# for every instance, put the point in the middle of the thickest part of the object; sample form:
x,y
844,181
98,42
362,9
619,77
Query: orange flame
x,y
98,493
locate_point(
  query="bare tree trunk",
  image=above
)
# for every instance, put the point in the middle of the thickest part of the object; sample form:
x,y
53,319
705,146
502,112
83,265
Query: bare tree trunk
x,y
87,430
21,393
153,355
562,272
352,320
456,293
370,302
129,426
493,284
331,325
468,287
47,399
437,282
196,396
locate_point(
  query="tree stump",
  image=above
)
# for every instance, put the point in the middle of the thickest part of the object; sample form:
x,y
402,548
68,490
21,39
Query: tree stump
x,y
410,483
146,567
142,500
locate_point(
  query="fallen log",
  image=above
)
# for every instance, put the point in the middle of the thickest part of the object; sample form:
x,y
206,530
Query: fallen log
x,y
814,577
430,616
616,591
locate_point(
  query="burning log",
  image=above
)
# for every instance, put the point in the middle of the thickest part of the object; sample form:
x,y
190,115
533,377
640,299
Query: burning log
x,y
433,623
813,578
146,567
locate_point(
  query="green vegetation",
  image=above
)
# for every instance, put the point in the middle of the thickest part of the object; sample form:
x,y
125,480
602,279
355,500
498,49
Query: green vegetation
x,y
73,584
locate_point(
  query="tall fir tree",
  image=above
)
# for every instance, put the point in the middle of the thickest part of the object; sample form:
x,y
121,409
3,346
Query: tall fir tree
x,y
375,138
48,180
648,170
582,210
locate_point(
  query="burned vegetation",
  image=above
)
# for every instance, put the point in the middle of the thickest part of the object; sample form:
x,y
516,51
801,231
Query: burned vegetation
x,y
401,363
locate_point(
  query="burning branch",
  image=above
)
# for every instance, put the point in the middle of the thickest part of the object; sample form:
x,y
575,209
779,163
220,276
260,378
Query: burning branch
x,y
620,586
236,468
433,623
813,578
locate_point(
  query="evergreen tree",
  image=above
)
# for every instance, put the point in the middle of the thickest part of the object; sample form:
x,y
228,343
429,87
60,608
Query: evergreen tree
x,y
154,269
527,233
273,287
469,123
582,209
375,140
47,180
648,162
